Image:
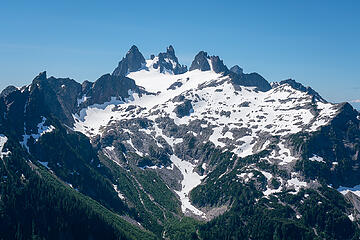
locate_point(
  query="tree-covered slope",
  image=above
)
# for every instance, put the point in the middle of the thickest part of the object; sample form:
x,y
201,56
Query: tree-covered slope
x,y
37,204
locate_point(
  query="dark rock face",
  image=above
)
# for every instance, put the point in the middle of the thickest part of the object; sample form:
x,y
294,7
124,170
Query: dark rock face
x,y
236,69
183,109
2,115
12,108
56,96
8,90
45,97
108,86
86,86
168,61
170,50
251,80
218,65
67,92
300,87
132,62
200,62
175,85
343,135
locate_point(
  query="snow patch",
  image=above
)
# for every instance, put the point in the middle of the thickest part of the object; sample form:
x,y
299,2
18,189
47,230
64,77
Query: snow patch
x,y
42,129
203,166
270,191
285,155
296,183
245,176
190,181
120,195
3,140
83,99
316,158
267,175
327,111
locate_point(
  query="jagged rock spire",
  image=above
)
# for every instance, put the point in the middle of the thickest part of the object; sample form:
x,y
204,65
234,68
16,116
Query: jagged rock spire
x,y
168,61
236,69
202,62
133,61
170,51
41,76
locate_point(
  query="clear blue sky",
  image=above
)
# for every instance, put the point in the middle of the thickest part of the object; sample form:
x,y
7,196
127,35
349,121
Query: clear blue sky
x,y
315,42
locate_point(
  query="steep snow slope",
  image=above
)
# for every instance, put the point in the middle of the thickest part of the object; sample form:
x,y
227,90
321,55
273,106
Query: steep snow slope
x,y
96,116
282,109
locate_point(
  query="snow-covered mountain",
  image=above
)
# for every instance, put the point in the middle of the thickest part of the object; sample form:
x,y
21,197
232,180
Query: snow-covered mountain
x,y
201,131
209,106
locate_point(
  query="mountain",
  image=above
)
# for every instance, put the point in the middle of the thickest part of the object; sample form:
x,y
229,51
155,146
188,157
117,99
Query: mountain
x,y
203,62
300,87
236,69
168,62
153,151
132,62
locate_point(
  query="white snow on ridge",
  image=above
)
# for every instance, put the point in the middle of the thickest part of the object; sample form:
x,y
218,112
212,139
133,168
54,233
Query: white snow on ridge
x,y
190,181
42,129
93,118
215,101
282,110
239,115
154,81
327,110
3,140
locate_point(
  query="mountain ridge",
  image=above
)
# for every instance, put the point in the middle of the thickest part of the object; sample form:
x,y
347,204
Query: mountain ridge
x,y
220,144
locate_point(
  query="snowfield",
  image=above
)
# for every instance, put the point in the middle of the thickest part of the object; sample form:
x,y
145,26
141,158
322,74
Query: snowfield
x,y
240,119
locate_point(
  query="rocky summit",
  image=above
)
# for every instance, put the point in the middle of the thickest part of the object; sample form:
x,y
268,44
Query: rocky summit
x,y
132,62
157,151
168,62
